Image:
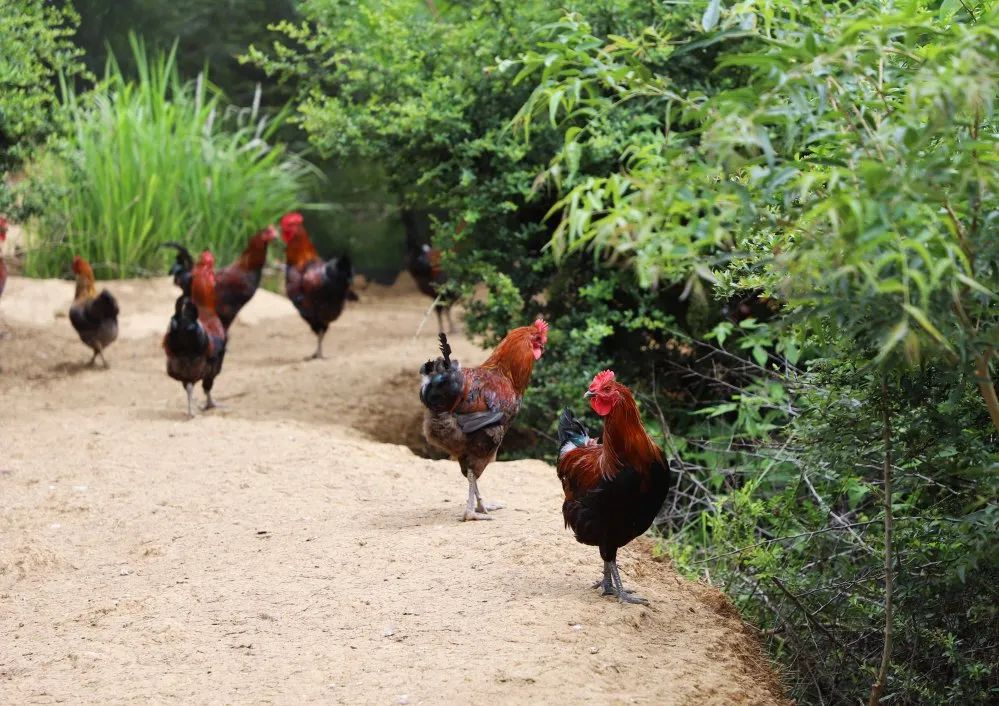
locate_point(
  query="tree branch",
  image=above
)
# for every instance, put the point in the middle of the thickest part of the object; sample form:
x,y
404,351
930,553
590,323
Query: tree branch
x,y
879,686
986,386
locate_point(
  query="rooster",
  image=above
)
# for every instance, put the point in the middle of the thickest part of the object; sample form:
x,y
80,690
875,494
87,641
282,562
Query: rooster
x,y
470,409
613,490
424,264
236,284
317,289
195,341
93,315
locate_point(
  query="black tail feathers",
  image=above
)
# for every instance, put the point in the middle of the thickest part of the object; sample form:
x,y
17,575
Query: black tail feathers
x,y
445,350
184,256
570,430
104,305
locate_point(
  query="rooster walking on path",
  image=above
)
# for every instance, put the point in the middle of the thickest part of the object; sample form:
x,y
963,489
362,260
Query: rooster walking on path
x,y
615,489
195,342
470,409
93,315
318,289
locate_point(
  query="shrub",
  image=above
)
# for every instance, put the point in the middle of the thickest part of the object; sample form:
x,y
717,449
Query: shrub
x,y
37,47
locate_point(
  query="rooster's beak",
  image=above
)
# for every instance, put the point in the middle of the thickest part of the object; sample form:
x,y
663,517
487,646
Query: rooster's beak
x,y
588,394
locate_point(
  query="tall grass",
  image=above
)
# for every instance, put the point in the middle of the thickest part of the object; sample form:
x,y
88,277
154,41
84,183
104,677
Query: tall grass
x,y
156,159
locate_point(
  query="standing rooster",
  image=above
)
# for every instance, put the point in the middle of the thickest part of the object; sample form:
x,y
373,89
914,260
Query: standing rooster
x,y
236,284
195,341
470,409
93,315
424,264
613,490
317,289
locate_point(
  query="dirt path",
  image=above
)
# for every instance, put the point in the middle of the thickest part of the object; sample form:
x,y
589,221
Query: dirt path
x,y
280,551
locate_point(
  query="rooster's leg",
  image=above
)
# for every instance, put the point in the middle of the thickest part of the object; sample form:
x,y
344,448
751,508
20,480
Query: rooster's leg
x,y
190,399
607,583
623,594
93,359
103,359
318,355
209,402
472,512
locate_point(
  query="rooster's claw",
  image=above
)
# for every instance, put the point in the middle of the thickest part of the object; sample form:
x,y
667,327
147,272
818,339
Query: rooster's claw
x,y
475,516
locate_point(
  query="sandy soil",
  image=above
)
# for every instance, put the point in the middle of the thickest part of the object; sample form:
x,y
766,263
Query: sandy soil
x,y
281,550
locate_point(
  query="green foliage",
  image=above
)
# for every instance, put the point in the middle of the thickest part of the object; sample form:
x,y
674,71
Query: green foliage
x,y
841,161
155,160
757,212
37,48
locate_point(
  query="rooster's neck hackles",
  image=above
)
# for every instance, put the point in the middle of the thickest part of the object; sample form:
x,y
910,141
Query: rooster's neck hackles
x,y
514,358
625,439
300,250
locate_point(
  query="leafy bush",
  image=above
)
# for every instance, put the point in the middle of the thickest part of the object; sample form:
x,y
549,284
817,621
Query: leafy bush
x,y
842,164
154,160
36,37
777,221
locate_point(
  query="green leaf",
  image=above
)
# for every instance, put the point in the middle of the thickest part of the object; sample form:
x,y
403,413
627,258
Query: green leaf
x,y
924,321
898,332
711,15
553,103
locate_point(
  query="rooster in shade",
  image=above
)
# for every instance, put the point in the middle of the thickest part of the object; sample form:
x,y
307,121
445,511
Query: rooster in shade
x,y
93,315
470,409
424,264
318,289
236,284
195,341
613,490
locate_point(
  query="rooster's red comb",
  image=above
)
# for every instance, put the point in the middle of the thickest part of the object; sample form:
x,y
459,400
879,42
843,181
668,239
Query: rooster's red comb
x,y
290,220
542,326
601,379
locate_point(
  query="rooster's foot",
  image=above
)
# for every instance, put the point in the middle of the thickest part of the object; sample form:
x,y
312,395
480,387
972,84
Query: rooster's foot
x,y
210,403
608,587
487,507
475,515
617,586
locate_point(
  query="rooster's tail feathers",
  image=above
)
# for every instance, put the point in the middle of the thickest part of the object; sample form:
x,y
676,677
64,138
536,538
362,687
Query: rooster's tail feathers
x,y
445,349
571,432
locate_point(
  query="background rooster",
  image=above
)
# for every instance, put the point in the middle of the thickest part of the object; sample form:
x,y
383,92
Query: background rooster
x,y
195,341
470,409
424,264
613,490
93,315
236,284
317,289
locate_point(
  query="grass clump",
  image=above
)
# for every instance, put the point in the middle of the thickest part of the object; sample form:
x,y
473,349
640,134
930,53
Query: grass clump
x,y
156,159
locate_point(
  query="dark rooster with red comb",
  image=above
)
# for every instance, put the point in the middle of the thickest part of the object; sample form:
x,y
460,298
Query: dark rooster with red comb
x,y
470,409
195,342
318,289
615,489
